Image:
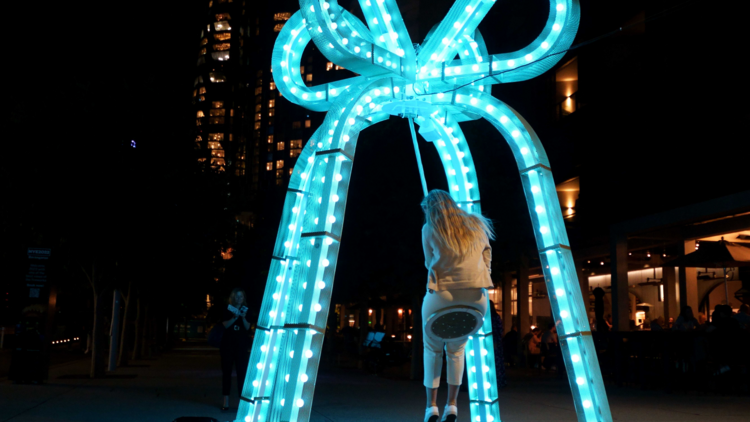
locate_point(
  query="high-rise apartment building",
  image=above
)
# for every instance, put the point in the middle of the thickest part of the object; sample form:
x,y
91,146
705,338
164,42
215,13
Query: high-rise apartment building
x,y
244,127
220,93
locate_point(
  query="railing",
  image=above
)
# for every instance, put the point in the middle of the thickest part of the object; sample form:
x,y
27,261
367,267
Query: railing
x,y
700,361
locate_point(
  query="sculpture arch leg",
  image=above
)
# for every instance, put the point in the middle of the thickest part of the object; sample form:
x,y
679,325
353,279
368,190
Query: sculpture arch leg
x,y
560,274
454,152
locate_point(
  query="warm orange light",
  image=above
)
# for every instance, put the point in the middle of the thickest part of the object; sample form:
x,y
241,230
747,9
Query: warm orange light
x,y
409,336
369,311
400,312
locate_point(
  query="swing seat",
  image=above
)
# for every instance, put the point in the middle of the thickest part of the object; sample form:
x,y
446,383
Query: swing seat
x,y
454,323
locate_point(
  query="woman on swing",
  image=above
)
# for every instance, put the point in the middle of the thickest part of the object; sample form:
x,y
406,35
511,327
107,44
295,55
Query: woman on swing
x,y
457,256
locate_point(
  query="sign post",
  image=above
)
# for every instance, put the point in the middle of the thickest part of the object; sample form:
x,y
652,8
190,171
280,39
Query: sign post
x,y
30,355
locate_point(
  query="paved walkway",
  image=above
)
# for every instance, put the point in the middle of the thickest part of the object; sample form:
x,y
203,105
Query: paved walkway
x,y
187,383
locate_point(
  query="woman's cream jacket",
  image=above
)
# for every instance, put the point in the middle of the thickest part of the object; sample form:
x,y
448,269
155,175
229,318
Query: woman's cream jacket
x,y
448,271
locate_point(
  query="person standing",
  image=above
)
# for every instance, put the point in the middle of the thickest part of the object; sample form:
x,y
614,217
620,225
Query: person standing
x,y
234,344
510,346
458,257
535,348
549,346
686,321
497,341
743,316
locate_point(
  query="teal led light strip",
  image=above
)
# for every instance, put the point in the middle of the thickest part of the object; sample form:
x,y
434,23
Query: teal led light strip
x,y
286,351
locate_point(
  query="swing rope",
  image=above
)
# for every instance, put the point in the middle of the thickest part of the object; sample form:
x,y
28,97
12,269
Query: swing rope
x,y
419,156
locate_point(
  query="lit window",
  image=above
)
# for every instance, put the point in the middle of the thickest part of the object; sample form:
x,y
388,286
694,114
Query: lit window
x,y
217,104
271,103
296,125
217,77
279,164
200,114
203,51
280,146
284,16
211,3
257,125
258,90
269,166
214,145
202,90
295,143
307,123
257,108
198,138
223,36
291,170
308,78
204,41
215,136
222,26
329,66
277,27
220,56
339,68
270,139
216,121
195,92
272,86
257,117
271,112
294,153
223,17
222,46
231,112
201,98
217,153
217,161
279,174
217,112
198,122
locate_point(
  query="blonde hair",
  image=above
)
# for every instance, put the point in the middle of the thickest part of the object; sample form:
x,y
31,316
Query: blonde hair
x,y
455,229
234,295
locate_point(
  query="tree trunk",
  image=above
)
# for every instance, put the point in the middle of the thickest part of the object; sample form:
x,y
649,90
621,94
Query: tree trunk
x,y
122,357
145,333
98,365
138,328
417,347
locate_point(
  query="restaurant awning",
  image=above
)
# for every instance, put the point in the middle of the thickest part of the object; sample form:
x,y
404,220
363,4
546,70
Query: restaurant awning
x,y
721,254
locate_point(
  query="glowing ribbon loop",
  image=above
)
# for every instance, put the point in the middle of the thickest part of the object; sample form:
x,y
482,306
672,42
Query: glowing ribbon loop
x,y
387,26
463,18
343,39
526,63
287,56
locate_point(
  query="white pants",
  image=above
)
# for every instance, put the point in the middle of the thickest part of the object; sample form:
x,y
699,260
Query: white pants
x,y
433,350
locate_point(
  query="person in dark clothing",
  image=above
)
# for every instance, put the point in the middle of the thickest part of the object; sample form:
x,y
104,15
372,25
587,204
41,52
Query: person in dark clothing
x,y
510,346
234,344
497,340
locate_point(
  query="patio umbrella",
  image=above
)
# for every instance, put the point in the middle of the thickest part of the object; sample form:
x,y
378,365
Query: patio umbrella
x,y
721,254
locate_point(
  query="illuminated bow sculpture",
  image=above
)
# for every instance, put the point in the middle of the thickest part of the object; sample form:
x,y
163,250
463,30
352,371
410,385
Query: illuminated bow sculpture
x,y
426,84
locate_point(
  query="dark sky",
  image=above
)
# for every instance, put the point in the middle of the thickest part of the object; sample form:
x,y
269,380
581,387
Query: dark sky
x,y
90,76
